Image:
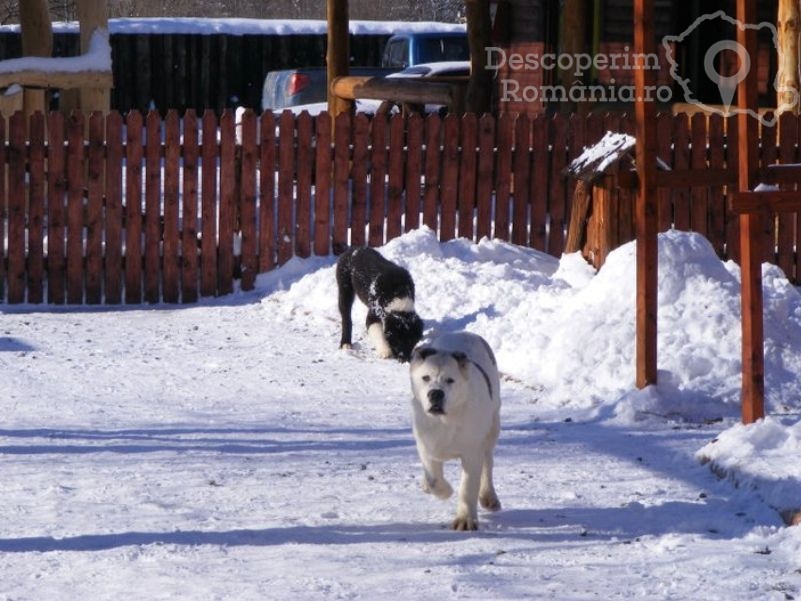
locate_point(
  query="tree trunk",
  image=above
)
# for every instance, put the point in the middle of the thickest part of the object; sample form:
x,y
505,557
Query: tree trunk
x,y
788,85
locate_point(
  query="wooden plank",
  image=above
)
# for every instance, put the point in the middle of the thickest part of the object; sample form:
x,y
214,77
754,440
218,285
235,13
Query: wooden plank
x,y
247,200
610,214
689,177
764,203
342,139
397,159
227,209
189,198
267,234
17,205
113,212
786,235
467,176
732,162
208,205
286,184
3,205
433,128
449,190
378,174
557,185
75,225
542,237
717,200
323,161
664,151
36,208
626,193
699,208
305,161
520,167
56,211
484,175
414,171
153,207
681,162
503,188
94,209
361,142
171,246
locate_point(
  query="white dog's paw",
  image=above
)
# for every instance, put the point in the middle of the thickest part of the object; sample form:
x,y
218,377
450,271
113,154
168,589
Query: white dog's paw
x,y
464,523
490,501
439,488
346,347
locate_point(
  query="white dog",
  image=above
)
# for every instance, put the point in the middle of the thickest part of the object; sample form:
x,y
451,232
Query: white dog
x,y
456,414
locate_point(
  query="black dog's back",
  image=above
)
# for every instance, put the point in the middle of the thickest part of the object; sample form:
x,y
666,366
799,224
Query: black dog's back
x,y
364,272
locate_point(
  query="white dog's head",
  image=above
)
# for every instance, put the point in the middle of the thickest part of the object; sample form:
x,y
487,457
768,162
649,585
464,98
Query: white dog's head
x,y
438,378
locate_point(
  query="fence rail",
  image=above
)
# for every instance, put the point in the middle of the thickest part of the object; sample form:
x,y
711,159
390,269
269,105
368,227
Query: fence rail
x,y
147,209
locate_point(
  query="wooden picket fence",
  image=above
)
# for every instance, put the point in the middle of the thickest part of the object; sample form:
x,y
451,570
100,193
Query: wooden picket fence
x,y
147,209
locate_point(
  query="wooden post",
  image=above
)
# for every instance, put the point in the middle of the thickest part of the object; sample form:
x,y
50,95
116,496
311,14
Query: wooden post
x,y
93,15
572,40
479,88
37,40
337,53
751,237
787,78
646,205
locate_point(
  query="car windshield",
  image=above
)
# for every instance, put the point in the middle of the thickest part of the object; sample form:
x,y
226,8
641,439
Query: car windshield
x,y
444,49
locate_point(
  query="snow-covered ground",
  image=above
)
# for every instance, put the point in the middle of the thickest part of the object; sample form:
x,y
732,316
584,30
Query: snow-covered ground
x,y
229,450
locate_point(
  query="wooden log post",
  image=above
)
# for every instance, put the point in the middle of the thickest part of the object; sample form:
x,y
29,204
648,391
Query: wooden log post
x,y
751,237
37,40
337,55
787,78
93,15
646,204
479,88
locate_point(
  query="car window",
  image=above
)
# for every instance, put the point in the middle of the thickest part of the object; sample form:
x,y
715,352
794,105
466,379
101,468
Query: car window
x,y
397,53
434,50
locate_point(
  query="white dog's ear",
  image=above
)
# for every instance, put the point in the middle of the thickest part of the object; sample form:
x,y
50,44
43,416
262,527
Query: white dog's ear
x,y
421,353
461,359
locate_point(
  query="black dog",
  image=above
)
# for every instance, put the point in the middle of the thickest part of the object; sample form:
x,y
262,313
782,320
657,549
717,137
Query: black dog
x,y
388,291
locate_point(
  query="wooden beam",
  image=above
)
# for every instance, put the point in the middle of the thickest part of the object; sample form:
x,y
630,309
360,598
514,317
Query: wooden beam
x,y
338,53
751,238
413,91
765,203
646,207
479,89
57,79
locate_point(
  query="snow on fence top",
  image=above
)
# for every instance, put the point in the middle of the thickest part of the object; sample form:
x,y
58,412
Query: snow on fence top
x,y
187,25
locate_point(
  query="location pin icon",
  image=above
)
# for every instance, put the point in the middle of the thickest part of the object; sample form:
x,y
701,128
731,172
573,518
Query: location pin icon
x,y
727,85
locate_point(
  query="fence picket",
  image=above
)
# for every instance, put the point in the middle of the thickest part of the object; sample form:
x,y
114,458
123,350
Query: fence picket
x,y
361,143
208,205
521,178
56,215
467,176
267,242
172,154
414,171
17,198
133,208
304,162
152,207
94,210
75,215
36,206
113,214
189,242
377,211
433,126
450,176
788,139
247,200
503,178
342,135
484,175
323,167
227,202
395,176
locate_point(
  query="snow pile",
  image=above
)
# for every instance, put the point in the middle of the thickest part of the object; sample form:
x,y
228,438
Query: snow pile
x,y
569,335
762,456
